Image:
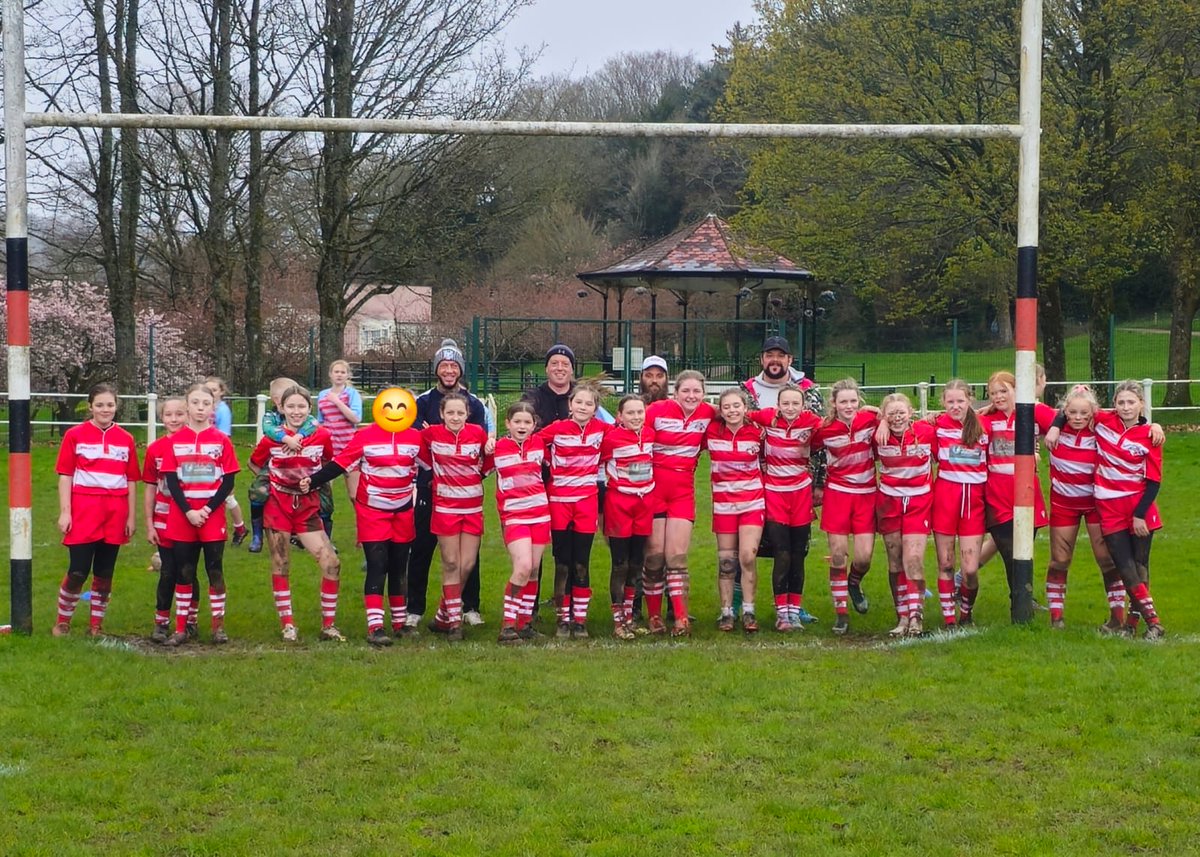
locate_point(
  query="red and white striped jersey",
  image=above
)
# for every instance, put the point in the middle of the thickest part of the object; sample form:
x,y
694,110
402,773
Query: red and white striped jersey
x,y
1001,430
1073,470
850,461
906,462
520,493
574,458
957,462
628,458
287,468
340,429
200,460
152,475
389,466
785,448
1127,458
99,461
736,471
458,463
678,437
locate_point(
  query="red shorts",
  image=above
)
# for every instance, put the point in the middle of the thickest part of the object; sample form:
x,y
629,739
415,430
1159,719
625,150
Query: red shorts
x,y
293,513
674,494
999,502
98,518
1065,516
449,523
584,514
627,515
384,525
958,509
793,508
1117,515
729,524
212,530
908,516
846,514
538,534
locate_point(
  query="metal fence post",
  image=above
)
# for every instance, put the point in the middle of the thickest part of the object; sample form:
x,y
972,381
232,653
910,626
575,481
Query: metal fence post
x,y
627,333
151,415
260,413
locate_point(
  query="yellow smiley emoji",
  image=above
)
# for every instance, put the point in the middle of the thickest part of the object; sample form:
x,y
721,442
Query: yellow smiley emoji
x,y
395,409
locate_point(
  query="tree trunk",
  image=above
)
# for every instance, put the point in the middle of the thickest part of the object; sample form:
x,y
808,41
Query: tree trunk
x,y
1099,353
220,211
1185,302
1054,352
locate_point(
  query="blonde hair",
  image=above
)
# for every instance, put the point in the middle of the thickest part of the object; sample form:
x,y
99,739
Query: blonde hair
x,y
349,372
1080,391
222,387
279,385
972,427
841,387
892,399
198,387
162,404
689,375
1131,386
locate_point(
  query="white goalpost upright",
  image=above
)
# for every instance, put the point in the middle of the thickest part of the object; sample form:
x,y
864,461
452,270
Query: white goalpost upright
x,y
16,122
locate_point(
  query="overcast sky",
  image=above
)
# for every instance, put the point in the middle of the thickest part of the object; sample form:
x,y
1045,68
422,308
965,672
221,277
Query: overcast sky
x,y
579,35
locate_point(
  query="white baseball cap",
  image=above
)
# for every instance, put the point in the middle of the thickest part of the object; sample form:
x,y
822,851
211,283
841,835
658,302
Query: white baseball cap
x,y
654,362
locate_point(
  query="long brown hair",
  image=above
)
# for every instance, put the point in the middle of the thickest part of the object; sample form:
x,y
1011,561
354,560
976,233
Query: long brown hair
x,y
972,427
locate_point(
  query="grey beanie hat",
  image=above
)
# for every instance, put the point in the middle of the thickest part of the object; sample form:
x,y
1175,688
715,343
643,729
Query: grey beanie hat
x,y
449,350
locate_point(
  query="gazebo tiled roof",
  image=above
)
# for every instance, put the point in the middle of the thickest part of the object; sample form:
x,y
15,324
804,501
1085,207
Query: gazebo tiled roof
x,y
707,256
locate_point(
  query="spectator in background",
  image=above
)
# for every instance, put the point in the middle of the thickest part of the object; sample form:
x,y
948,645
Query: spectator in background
x,y
653,382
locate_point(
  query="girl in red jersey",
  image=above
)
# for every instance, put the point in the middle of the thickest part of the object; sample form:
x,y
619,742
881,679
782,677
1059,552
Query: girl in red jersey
x,y
223,419
156,504
958,505
787,480
454,451
628,456
1073,460
198,466
905,507
1128,478
340,410
292,512
679,425
386,463
999,423
739,504
524,516
574,445
96,462
848,512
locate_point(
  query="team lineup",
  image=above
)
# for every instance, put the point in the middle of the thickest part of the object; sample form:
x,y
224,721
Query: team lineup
x,y
566,469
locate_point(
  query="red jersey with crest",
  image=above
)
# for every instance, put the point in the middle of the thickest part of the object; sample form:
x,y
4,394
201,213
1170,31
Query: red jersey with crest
x,y
1127,458
1073,464
958,462
458,463
388,466
906,461
678,437
574,458
736,469
152,475
520,493
287,468
200,460
99,461
850,459
628,458
786,448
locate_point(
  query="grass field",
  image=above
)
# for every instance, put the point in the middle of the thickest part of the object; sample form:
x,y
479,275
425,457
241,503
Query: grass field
x,y
1003,740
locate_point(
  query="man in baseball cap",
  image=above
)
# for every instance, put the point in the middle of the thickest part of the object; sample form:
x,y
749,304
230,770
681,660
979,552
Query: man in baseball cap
x,y
653,380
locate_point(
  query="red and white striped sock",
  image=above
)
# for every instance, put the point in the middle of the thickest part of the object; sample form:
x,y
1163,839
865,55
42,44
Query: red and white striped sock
x,y
839,589
618,614
101,592
900,595
183,605
528,603
329,600
1056,593
281,586
562,607
512,605
66,602
916,599
452,598
946,599
162,617
966,599
677,583
373,604
782,610
399,610
795,606
630,594
1115,590
581,596
857,573
653,592
1144,604
194,610
216,606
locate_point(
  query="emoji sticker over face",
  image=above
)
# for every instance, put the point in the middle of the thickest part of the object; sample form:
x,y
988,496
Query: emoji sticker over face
x,y
395,409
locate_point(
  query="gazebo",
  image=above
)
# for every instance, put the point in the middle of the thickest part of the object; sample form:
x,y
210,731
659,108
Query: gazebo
x,y
706,257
